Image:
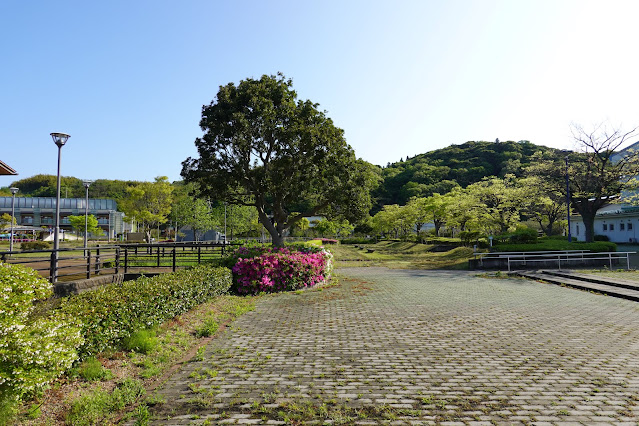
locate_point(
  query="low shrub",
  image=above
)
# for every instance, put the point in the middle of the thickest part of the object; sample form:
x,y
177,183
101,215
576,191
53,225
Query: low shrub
x,y
469,237
360,240
114,312
281,270
141,341
34,348
329,241
523,235
91,369
550,245
35,245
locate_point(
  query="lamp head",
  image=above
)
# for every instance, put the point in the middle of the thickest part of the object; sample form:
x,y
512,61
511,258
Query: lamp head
x,y
13,190
87,183
60,138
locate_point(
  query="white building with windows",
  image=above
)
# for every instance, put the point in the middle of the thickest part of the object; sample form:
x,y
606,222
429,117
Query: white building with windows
x,y
619,222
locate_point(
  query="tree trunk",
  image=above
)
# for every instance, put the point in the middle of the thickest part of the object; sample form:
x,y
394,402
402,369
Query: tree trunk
x,y
277,233
438,225
589,224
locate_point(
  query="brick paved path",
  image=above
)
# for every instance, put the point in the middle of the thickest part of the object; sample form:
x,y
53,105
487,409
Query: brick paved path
x,y
418,347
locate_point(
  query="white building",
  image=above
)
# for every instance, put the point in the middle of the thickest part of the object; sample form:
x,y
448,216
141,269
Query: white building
x,y
619,222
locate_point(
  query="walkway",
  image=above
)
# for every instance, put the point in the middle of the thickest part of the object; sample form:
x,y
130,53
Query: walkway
x,y
418,347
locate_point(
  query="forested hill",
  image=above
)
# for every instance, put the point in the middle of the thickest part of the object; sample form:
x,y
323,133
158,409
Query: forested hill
x,y
442,169
71,187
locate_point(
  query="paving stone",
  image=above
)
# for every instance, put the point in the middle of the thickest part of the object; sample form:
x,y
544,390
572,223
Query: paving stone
x,y
446,345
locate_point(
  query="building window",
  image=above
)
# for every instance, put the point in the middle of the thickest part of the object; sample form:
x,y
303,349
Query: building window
x,y
577,226
605,227
622,226
629,226
612,226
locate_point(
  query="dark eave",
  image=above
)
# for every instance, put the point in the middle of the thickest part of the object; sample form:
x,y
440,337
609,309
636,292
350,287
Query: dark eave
x,y
6,170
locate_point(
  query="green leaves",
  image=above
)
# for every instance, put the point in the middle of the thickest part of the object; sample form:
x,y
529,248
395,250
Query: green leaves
x,y
114,312
34,349
263,147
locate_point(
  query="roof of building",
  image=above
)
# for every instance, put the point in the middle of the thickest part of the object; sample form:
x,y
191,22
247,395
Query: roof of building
x,y
6,170
65,203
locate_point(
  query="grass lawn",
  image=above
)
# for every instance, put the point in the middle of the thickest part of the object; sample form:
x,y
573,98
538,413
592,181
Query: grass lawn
x,y
400,255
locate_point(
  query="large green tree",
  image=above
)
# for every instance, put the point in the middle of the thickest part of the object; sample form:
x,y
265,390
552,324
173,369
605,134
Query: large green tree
x,y
597,174
265,148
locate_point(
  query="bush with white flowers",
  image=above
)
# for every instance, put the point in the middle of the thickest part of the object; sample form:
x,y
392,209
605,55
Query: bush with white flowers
x,y
34,348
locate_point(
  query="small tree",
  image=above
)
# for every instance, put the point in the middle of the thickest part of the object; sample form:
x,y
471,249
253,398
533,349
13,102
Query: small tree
x,y
149,203
5,221
77,223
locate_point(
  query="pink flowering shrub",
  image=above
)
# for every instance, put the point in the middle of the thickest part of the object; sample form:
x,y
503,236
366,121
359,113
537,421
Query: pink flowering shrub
x,y
270,270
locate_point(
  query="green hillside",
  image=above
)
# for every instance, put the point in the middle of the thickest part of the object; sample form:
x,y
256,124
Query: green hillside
x,y
442,169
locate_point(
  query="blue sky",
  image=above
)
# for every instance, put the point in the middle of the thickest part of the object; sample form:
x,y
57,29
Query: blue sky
x,y
127,79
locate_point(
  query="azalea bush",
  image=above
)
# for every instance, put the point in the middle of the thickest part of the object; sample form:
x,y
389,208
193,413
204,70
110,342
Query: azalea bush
x,y
270,270
114,312
35,348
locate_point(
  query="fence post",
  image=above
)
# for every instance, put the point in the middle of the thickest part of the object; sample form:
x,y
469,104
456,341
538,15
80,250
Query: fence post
x,y
173,254
559,261
97,261
628,261
126,260
158,261
117,260
88,264
610,260
199,253
53,274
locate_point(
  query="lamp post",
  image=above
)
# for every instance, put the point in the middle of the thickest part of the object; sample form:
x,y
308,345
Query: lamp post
x,y
568,199
13,200
59,139
86,184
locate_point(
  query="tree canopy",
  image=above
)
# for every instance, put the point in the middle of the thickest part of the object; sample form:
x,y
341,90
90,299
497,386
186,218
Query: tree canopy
x,y
265,148
597,175
439,171
149,203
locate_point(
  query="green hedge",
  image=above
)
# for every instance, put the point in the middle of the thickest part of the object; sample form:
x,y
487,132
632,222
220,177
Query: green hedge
x,y
358,240
113,312
35,348
551,244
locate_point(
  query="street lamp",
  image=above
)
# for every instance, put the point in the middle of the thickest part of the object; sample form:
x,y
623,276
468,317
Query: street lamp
x,y
568,199
86,184
59,139
13,200
109,236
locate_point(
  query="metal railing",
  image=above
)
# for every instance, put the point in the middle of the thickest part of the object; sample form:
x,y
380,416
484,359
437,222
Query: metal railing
x,y
71,264
566,256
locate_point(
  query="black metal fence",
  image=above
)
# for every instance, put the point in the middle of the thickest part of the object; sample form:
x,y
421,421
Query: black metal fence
x,y
71,264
